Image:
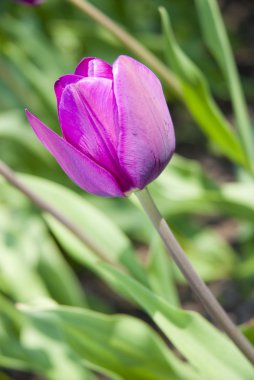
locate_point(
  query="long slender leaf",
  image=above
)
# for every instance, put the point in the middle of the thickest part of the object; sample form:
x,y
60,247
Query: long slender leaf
x,y
12,128
206,348
160,272
25,243
120,344
26,348
198,98
216,38
95,224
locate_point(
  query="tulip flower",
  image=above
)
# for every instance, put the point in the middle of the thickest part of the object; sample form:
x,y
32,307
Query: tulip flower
x,y
30,2
117,131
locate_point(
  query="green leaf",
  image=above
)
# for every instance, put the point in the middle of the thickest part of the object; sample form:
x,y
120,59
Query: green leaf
x,y
239,199
198,98
24,347
116,344
248,331
211,255
160,272
25,243
216,38
49,59
12,354
205,348
96,225
12,128
183,188
14,255
32,75
47,347
58,276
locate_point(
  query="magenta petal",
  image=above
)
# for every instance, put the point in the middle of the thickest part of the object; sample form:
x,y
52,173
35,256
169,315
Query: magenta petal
x,y
94,67
146,141
62,82
88,119
30,2
81,169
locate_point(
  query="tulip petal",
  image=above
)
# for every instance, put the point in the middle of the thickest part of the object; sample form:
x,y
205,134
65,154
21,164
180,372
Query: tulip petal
x,y
86,173
62,82
146,140
88,117
94,67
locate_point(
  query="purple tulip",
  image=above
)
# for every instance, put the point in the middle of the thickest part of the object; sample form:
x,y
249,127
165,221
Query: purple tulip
x,y
30,2
117,131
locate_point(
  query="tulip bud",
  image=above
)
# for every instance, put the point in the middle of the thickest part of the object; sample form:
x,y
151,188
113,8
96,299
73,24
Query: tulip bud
x,y
117,131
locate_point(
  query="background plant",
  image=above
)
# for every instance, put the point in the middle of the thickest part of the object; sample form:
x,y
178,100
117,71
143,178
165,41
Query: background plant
x,y
43,266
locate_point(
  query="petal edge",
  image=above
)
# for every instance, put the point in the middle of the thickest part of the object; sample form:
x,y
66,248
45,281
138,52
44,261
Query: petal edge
x,y
81,169
62,82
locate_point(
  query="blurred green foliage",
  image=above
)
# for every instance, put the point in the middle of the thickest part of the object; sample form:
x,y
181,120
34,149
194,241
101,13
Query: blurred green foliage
x,y
44,266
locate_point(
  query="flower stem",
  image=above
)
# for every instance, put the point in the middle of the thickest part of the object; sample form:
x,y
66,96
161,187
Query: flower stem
x,y
209,302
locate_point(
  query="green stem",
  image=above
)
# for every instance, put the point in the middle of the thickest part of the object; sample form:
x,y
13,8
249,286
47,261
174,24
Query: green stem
x,y
209,302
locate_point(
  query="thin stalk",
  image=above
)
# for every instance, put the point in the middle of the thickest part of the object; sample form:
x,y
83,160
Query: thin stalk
x,y
209,302
12,178
134,45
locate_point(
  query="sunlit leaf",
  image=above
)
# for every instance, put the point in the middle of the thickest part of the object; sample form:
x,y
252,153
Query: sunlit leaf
x,y
119,344
94,223
198,98
216,38
207,349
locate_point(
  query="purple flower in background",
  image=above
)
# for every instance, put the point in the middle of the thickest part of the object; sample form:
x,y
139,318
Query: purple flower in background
x,y
30,2
117,131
